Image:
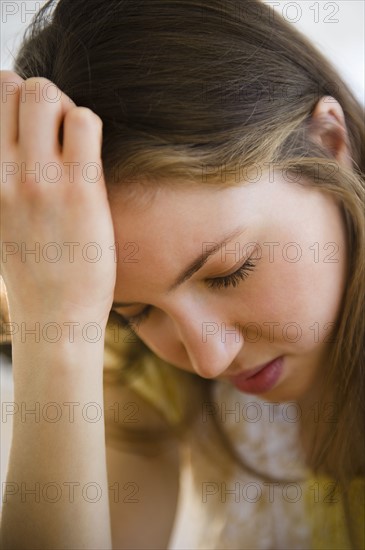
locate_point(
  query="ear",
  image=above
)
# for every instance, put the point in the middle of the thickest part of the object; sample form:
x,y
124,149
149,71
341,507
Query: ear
x,y
328,128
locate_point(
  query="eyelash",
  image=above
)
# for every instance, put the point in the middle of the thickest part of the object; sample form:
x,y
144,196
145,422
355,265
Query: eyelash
x,y
134,321
233,280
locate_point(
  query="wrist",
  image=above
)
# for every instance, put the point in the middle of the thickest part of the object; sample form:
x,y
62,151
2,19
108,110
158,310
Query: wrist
x,y
52,363
53,330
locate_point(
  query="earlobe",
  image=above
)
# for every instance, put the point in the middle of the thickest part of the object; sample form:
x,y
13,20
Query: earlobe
x,y
328,128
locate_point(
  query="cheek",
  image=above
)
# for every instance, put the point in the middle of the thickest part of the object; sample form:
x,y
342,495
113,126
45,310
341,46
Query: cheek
x,y
292,302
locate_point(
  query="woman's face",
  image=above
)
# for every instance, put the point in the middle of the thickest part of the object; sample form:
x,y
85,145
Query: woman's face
x,y
283,305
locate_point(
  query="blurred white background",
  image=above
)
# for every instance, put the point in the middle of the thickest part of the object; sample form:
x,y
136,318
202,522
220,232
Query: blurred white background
x,y
336,28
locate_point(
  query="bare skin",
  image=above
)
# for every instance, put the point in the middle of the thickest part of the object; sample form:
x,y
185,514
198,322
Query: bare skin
x,y
70,370
79,211
274,311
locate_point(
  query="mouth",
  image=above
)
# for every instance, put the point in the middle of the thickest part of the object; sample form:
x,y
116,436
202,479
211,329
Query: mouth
x,y
260,379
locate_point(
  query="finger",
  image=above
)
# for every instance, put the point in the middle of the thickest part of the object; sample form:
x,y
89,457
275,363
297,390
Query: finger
x,y
82,140
10,91
41,112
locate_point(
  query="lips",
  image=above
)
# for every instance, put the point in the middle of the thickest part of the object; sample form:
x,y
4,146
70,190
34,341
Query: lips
x,y
251,372
260,379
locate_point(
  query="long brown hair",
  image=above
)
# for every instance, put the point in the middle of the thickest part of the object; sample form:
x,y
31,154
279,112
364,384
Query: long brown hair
x,y
190,90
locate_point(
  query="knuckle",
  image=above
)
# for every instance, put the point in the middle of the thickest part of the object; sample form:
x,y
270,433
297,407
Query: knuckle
x,y
38,89
83,115
10,76
41,80
10,84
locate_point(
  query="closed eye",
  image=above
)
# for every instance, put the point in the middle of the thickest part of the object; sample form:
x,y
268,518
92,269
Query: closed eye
x,y
233,280
133,322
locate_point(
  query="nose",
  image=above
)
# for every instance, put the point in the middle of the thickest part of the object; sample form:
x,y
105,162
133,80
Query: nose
x,y
211,345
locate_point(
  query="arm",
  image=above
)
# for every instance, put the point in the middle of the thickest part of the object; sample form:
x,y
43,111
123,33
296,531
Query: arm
x,y
47,456
54,458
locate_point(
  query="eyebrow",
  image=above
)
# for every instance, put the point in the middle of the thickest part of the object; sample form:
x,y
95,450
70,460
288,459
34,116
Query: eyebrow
x,y
195,265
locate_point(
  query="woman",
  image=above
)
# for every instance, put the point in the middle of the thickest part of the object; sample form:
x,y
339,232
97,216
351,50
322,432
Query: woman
x,y
227,231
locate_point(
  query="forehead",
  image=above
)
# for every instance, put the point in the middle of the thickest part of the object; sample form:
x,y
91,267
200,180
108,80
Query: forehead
x,y
181,215
185,214
159,234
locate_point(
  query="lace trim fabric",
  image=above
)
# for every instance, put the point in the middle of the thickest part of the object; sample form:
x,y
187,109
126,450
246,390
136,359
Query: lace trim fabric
x,y
241,511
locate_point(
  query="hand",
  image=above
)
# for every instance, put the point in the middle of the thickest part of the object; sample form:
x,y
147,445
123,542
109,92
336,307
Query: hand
x,y
53,193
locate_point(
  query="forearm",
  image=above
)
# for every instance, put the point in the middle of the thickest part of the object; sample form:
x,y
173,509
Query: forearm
x,y
58,450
